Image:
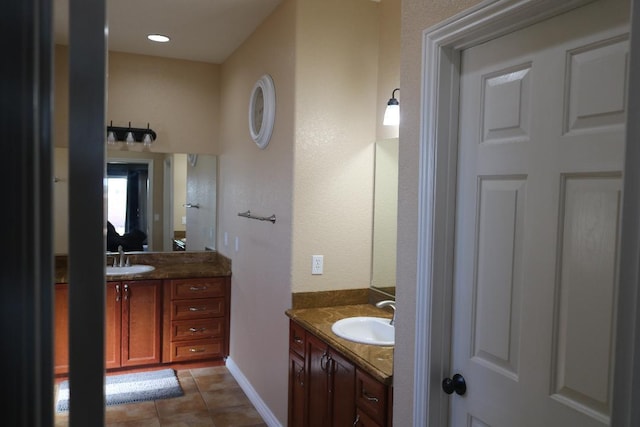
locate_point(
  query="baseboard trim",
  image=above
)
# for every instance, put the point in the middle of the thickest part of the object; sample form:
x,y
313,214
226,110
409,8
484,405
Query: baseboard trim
x,y
264,411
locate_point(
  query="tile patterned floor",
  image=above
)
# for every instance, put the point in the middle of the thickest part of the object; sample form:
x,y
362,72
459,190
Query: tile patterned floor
x,y
212,397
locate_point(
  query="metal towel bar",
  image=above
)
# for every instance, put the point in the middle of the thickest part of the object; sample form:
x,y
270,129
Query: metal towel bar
x,y
247,214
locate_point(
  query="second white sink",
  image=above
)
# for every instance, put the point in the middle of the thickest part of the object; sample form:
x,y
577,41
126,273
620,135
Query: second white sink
x,y
366,330
130,269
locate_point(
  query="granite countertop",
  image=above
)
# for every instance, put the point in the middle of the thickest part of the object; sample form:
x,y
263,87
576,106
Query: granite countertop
x,y
373,359
168,265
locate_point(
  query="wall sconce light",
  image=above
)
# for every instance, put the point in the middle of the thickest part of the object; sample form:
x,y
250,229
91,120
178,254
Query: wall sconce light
x,y
130,135
392,113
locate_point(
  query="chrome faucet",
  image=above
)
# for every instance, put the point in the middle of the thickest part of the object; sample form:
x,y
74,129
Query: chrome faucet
x,y
388,303
121,252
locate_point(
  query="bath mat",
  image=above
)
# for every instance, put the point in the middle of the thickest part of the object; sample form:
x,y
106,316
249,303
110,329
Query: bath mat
x,y
130,388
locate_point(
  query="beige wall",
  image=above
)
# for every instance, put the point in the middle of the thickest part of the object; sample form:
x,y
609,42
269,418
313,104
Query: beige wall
x,y
388,63
336,93
417,15
259,180
179,99
316,174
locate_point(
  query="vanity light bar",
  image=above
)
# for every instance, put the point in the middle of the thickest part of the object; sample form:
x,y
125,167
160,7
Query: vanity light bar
x,y
120,133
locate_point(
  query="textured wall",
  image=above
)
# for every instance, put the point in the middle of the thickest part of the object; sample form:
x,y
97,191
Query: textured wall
x,y
417,15
179,99
336,93
259,180
388,63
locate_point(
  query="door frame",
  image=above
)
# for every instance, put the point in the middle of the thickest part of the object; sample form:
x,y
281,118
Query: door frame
x,y
441,48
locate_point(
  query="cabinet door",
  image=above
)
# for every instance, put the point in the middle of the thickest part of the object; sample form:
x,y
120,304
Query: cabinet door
x,y
342,390
296,391
318,364
61,329
141,322
113,325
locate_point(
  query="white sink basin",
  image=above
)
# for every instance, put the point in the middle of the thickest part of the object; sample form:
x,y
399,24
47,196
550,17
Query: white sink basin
x,y
366,330
131,269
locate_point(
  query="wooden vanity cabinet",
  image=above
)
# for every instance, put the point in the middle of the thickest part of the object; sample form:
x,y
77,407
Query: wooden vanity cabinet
x,y
327,389
61,329
132,324
331,385
297,376
196,319
373,402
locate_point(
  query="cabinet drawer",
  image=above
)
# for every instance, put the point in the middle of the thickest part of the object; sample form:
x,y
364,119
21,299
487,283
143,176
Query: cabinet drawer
x,y
371,397
363,420
196,349
197,328
197,288
297,338
197,308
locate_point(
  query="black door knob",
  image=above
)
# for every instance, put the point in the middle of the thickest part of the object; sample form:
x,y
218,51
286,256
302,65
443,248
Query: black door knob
x,y
457,384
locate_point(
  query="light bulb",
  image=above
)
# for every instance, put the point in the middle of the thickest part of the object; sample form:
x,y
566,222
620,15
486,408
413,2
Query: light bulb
x,y
130,139
111,137
392,115
147,140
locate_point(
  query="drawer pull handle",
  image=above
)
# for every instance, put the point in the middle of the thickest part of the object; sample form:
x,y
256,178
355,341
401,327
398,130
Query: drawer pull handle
x,y
197,308
196,350
198,288
301,377
297,340
369,397
325,362
197,329
355,423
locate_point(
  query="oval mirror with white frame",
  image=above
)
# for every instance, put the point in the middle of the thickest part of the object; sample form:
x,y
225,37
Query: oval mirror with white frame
x,y
262,111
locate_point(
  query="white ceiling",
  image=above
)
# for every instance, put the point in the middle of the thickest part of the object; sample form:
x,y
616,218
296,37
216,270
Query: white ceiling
x,y
200,30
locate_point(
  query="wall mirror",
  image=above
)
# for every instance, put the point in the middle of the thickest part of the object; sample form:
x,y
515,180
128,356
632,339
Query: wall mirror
x,y
169,198
385,214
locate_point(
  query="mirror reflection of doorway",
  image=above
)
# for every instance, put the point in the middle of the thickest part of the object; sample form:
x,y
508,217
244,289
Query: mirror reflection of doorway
x,y
128,195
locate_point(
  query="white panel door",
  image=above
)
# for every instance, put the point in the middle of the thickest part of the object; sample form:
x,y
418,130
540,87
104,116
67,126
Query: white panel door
x,y
541,135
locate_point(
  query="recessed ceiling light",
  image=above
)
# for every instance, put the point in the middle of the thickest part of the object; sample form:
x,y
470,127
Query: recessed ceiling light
x,y
158,38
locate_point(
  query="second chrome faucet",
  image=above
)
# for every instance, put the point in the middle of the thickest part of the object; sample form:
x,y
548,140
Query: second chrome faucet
x,y
388,303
